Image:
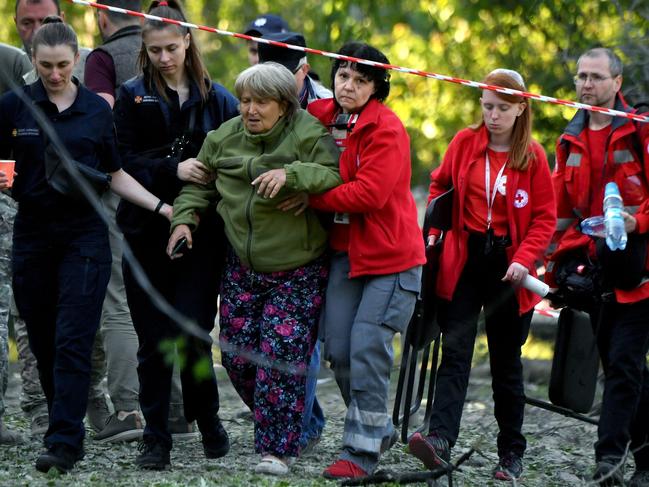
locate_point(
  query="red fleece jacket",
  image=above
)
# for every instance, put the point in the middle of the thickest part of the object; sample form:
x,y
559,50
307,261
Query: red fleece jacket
x,y
530,210
384,236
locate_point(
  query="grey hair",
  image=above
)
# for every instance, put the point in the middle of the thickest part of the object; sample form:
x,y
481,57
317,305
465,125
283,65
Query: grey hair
x,y
269,80
515,75
614,61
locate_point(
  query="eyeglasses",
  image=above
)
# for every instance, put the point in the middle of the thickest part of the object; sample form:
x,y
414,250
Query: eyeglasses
x,y
595,78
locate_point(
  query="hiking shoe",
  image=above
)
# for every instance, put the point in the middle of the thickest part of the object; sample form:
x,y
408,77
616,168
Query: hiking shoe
x,y
39,425
216,443
510,467
432,450
97,413
640,479
59,456
608,473
9,437
154,455
344,469
180,429
128,428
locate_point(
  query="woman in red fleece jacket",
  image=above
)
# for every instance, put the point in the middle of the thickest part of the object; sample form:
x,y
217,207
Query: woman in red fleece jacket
x,y
503,219
378,251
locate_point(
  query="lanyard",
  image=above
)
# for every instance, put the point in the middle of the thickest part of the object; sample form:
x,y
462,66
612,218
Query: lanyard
x,y
491,197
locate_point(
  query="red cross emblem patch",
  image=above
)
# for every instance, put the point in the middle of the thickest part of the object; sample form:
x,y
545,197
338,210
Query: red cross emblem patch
x,y
521,198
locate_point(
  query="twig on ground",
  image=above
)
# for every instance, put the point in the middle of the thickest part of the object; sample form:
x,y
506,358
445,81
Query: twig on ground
x,y
613,471
411,477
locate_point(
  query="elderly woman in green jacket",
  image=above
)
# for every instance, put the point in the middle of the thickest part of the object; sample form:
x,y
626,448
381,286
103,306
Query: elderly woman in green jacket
x,y
276,271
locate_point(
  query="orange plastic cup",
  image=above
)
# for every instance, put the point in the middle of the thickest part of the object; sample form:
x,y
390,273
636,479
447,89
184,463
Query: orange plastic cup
x,y
7,166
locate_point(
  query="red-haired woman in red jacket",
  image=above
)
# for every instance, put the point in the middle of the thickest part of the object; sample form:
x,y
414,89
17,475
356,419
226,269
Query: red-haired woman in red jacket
x,y
503,219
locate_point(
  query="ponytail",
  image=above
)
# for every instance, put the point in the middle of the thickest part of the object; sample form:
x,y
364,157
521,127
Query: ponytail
x,y
55,33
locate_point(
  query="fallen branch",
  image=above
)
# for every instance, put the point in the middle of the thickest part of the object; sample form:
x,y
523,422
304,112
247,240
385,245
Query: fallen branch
x,y
411,477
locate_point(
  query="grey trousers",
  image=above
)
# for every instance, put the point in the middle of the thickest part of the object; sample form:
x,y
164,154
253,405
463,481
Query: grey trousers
x,y
116,328
360,319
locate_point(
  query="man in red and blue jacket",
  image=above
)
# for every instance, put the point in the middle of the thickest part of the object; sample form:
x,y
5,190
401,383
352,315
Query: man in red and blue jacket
x,y
593,150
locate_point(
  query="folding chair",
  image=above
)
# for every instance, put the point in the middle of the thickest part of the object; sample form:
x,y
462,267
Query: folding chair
x,y
423,334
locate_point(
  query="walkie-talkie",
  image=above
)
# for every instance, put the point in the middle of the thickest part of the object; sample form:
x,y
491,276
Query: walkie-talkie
x,y
345,121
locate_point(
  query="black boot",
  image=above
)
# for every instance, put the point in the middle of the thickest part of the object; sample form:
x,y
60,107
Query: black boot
x,y
154,454
609,472
216,443
59,456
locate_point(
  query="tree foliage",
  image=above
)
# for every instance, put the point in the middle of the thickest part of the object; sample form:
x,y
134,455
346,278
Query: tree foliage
x,y
465,38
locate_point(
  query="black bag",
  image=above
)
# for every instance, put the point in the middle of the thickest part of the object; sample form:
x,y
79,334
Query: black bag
x,y
575,364
61,181
623,269
439,212
580,281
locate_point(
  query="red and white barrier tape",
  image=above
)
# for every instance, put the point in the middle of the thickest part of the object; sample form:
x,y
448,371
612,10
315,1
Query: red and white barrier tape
x,y
425,74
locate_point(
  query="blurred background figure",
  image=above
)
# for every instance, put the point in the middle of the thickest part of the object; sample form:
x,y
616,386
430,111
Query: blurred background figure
x,y
261,26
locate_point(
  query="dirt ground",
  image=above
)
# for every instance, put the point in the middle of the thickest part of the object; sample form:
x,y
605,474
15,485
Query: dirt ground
x,y
559,449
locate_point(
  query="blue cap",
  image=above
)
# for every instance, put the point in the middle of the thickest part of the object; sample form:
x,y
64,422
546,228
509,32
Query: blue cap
x,y
266,24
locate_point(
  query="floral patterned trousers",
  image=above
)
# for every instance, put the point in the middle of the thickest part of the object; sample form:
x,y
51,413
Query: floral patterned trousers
x,y
268,329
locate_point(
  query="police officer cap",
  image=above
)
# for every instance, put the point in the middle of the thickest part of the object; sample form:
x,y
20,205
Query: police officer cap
x,y
286,57
266,24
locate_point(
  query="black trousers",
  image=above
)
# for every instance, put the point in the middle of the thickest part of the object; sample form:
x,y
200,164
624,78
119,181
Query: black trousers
x,y
623,342
60,272
480,286
191,285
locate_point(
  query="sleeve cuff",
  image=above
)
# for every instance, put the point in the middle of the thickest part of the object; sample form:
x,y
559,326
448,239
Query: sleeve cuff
x,y
188,220
291,178
642,222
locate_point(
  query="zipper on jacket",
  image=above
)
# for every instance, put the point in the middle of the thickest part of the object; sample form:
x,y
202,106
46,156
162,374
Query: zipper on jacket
x,y
249,214
249,210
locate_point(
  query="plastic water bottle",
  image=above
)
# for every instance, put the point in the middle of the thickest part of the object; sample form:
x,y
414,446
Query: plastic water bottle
x,y
613,220
593,226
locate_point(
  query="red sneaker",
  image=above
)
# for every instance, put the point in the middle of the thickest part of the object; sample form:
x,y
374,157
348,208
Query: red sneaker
x,y
344,469
432,450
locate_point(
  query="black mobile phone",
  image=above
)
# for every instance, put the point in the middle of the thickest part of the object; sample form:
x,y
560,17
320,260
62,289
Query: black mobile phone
x,y
181,246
